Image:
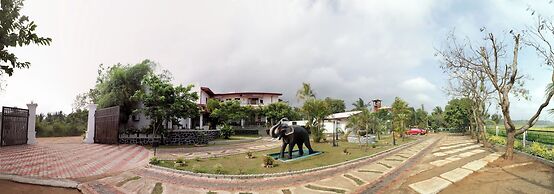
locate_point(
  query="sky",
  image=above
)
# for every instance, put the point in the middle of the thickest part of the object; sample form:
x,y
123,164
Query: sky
x,y
344,49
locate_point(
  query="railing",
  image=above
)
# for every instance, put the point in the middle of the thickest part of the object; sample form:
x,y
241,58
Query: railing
x,y
545,137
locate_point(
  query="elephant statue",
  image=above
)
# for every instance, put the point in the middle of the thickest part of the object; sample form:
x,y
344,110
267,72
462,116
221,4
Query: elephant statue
x,y
291,136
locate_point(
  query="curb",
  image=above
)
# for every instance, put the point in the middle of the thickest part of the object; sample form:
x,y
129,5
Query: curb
x,y
542,160
282,174
235,141
40,181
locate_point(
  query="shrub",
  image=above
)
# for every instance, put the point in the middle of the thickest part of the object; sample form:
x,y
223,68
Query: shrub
x,y
518,145
226,131
197,169
497,140
538,149
268,161
345,151
197,159
249,155
154,160
180,160
218,169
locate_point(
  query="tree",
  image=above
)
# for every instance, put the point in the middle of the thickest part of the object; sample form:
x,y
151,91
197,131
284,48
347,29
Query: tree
x,y
362,123
335,105
384,117
437,119
421,117
227,112
305,92
277,111
15,30
400,113
360,105
316,110
117,84
457,113
501,68
164,102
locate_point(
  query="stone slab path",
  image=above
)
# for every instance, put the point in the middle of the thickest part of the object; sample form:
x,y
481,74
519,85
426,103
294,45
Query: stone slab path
x,y
351,178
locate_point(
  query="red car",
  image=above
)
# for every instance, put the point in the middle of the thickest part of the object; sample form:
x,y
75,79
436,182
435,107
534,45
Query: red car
x,y
416,131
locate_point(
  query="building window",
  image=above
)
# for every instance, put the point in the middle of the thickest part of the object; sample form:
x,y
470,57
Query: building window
x,y
253,101
261,101
237,99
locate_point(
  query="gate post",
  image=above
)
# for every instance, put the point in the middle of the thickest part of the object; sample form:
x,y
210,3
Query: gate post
x,y
89,136
31,131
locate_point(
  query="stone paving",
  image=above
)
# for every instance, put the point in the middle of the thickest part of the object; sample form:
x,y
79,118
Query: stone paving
x,y
453,149
352,178
69,160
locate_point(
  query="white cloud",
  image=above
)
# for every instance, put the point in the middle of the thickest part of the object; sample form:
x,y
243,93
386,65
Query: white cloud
x,y
418,84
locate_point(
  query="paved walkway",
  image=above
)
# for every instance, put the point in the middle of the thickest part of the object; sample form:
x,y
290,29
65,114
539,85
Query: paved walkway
x,y
351,178
69,160
452,160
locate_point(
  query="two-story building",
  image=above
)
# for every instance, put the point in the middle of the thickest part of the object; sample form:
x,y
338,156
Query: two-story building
x,y
255,99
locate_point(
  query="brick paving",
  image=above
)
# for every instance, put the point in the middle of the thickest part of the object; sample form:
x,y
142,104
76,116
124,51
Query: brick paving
x,y
73,160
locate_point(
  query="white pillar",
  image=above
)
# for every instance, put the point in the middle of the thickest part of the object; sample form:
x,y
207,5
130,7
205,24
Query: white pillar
x,y
189,123
89,136
201,121
31,132
524,138
497,130
242,123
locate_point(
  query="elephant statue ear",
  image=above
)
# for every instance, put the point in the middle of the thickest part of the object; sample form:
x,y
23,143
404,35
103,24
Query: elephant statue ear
x,y
289,130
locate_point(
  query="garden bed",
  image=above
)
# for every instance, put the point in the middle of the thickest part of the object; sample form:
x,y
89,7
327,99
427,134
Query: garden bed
x,y
240,165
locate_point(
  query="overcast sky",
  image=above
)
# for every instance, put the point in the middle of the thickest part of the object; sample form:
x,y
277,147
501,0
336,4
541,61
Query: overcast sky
x,y
345,49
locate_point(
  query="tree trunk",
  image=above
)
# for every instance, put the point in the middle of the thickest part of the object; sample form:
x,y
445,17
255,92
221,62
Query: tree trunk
x,y
510,139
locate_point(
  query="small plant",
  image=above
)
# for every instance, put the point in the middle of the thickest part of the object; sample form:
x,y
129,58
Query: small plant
x,y
345,151
374,145
497,140
154,160
268,161
179,162
249,155
218,169
241,171
197,159
538,150
226,131
518,145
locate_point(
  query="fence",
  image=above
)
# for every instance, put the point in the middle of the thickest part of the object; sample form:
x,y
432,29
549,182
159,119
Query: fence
x,y
545,137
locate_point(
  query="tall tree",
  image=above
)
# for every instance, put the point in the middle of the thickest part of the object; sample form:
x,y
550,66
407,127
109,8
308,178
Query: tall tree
x,y
400,114
305,92
360,105
437,118
335,105
277,111
227,112
316,110
164,102
457,113
116,85
16,30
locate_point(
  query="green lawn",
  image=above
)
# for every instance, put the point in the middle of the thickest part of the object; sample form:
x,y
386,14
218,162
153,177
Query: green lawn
x,y
239,164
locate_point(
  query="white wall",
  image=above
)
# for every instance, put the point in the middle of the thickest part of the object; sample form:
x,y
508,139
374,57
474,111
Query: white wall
x,y
327,125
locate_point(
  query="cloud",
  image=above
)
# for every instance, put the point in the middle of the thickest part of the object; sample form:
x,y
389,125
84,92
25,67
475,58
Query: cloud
x,y
418,84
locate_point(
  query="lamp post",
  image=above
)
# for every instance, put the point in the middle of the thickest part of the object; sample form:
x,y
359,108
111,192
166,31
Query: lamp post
x,y
335,133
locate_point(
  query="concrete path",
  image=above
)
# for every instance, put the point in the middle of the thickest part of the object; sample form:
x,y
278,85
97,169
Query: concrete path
x,y
352,178
452,160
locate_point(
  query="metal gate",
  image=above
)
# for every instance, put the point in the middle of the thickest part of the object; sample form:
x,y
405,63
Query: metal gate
x,y
14,126
106,125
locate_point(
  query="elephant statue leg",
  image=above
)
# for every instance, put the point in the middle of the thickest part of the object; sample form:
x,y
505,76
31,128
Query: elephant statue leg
x,y
300,149
291,145
283,150
307,143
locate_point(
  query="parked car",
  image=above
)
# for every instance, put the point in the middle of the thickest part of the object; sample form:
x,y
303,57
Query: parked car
x,y
415,131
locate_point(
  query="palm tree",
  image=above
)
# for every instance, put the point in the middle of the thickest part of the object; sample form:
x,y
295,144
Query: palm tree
x,y
360,104
305,92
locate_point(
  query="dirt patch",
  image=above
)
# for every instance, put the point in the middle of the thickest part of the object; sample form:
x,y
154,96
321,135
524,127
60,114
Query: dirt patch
x,y
521,175
9,187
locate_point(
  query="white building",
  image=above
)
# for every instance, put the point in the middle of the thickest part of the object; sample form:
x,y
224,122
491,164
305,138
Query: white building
x,y
336,121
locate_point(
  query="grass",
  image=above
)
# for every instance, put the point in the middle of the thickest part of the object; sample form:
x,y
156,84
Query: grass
x,y
121,183
239,164
232,138
158,189
314,187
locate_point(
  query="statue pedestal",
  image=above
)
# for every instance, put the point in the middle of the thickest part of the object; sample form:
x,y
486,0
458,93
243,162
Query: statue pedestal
x,y
295,155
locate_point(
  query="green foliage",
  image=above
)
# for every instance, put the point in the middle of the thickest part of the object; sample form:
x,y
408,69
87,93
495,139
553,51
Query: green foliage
x,y
58,124
458,113
180,159
497,140
16,30
305,92
116,85
335,105
268,161
226,112
400,114
421,118
437,119
218,169
316,111
363,123
158,189
165,102
227,131
197,169
276,111
154,160
360,105
538,149
496,118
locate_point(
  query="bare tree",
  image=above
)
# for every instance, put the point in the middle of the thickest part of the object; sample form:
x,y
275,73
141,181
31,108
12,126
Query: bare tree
x,y
501,70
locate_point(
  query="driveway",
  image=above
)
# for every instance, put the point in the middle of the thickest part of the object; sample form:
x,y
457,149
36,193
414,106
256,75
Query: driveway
x,y
68,158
